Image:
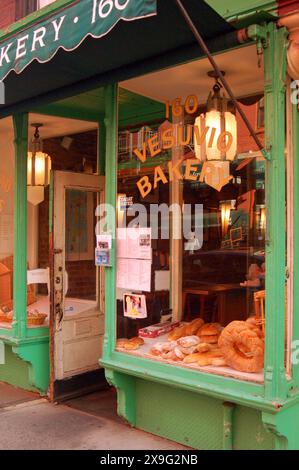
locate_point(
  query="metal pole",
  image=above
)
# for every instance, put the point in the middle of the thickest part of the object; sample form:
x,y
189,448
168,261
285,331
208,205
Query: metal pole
x,y
226,86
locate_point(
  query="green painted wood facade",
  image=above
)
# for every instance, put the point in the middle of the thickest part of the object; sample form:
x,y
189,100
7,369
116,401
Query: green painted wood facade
x,y
198,409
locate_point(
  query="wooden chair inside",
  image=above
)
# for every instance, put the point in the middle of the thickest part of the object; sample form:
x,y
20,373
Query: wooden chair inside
x,y
259,307
31,297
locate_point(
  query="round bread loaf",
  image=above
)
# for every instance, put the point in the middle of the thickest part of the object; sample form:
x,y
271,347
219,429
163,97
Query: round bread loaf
x,y
254,327
121,342
177,333
203,347
209,329
204,360
215,353
242,348
131,346
134,343
193,358
194,326
210,339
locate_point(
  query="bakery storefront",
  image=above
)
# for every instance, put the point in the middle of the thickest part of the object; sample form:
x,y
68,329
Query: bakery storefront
x,y
152,238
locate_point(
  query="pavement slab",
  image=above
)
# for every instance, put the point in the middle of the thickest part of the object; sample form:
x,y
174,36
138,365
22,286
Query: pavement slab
x,y
40,425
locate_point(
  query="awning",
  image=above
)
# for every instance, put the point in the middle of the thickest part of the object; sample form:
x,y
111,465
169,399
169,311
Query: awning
x,y
90,43
67,29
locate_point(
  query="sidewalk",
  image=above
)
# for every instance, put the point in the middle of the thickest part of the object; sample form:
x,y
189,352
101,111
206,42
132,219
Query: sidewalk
x,y
37,424
10,396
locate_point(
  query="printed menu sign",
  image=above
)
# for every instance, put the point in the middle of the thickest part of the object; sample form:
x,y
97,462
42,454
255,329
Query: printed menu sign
x,y
134,274
134,243
134,259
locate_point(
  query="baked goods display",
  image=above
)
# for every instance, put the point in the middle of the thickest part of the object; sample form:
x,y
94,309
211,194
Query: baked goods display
x,y
199,347
240,345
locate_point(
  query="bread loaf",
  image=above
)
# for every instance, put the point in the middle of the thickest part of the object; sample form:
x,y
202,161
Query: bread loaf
x,y
177,333
188,341
242,347
194,326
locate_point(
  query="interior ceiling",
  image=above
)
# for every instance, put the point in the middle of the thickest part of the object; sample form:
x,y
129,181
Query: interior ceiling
x,y
240,67
52,126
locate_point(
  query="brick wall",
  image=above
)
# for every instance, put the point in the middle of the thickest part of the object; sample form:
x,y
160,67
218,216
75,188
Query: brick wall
x,y
245,141
8,13
81,273
287,6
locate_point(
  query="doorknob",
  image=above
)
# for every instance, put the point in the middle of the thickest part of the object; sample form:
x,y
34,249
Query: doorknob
x,y
57,251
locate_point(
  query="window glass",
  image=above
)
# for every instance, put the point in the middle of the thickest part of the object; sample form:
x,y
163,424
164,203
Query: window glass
x,y
192,219
43,3
6,221
24,8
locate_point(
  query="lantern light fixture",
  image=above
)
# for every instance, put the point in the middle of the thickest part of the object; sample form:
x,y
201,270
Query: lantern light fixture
x,y
261,217
220,125
225,208
38,169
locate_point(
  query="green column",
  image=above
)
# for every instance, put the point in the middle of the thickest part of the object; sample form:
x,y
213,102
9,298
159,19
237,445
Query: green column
x,y
102,148
20,226
111,123
295,134
275,86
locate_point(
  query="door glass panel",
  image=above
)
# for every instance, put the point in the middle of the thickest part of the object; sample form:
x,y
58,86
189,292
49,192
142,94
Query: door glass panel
x,y
80,271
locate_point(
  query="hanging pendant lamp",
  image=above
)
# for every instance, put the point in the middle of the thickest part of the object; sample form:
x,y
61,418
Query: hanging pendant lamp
x,y
38,169
220,125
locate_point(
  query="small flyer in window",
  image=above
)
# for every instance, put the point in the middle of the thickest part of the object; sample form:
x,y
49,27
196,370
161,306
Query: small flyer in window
x,y
102,257
104,241
134,306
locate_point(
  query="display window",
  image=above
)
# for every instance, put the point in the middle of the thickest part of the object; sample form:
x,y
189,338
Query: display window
x,y
6,220
192,218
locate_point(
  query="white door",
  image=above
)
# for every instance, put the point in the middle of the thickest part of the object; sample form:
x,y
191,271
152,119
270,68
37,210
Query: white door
x,y
77,285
